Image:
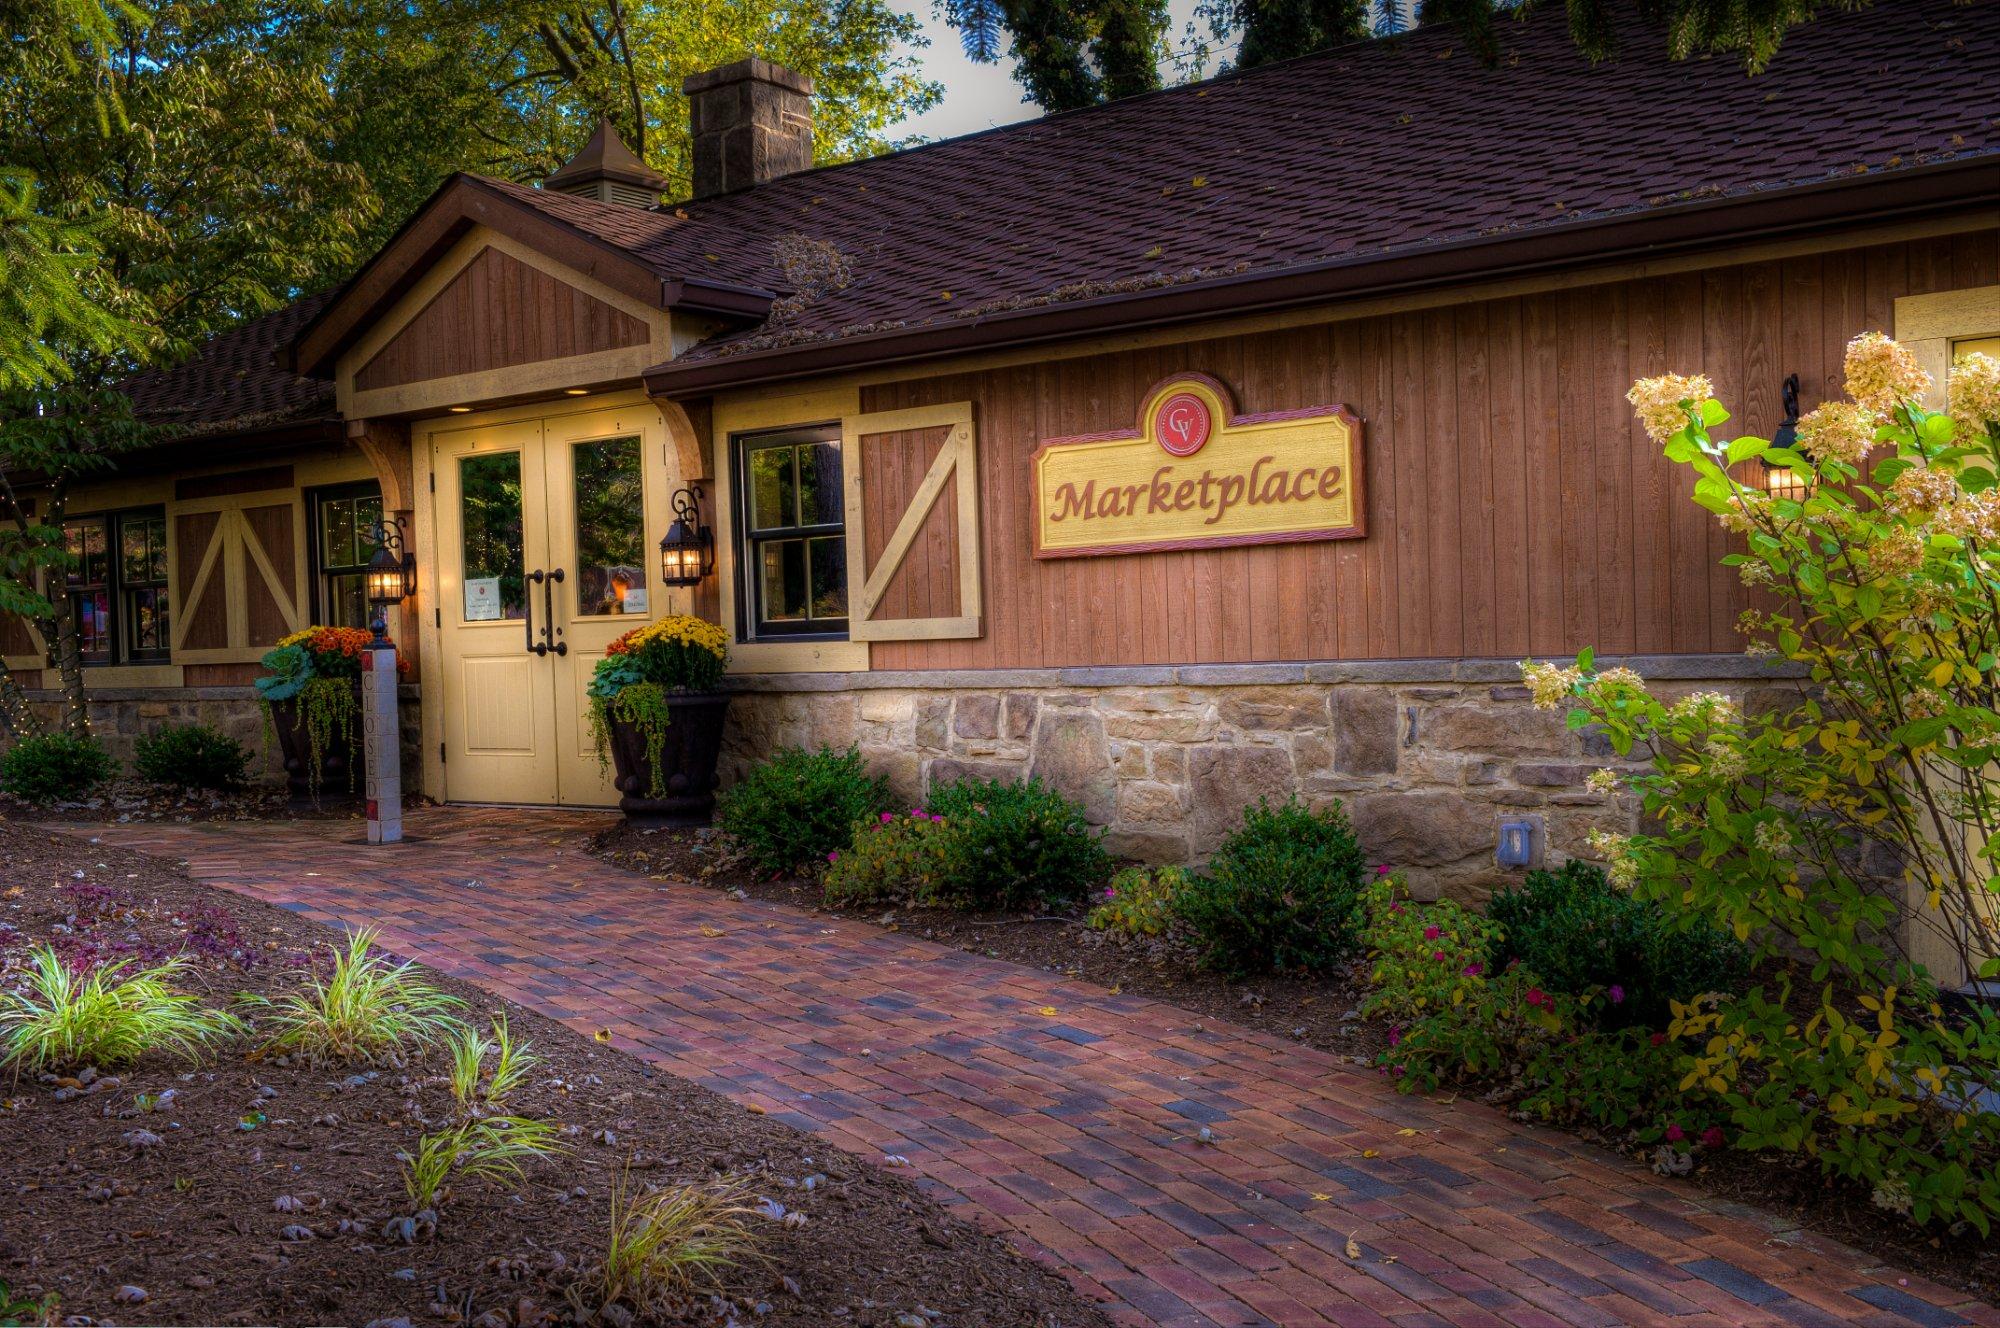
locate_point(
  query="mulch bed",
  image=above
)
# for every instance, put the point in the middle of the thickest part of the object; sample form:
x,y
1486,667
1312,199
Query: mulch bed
x,y
1319,1012
157,1193
132,800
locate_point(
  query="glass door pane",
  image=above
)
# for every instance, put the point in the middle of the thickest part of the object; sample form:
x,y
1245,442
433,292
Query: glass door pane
x,y
495,575
609,501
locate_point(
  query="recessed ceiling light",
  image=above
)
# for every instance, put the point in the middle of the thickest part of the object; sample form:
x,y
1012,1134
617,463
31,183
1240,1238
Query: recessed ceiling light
x,y
576,391
461,410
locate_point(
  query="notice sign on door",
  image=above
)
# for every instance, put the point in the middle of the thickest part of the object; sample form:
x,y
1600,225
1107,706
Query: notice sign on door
x,y
1195,474
482,598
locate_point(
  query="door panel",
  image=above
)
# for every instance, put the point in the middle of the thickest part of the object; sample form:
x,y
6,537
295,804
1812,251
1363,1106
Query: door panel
x,y
547,536
603,480
492,533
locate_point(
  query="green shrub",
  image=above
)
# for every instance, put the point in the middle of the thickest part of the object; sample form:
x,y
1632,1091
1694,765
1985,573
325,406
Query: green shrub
x,y
54,767
1282,894
1577,932
897,859
1138,902
1015,846
795,810
191,756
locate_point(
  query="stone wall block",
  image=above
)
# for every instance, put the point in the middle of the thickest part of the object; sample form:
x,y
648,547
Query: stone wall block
x,y
1273,709
1223,779
1365,735
976,716
1423,829
1512,729
1017,715
934,723
831,723
1072,755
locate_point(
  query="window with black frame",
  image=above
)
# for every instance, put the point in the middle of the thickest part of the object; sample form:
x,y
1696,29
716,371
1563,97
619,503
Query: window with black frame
x,y
794,534
117,586
343,542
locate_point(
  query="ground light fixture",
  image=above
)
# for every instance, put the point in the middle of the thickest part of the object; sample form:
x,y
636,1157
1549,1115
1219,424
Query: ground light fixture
x,y
687,552
391,577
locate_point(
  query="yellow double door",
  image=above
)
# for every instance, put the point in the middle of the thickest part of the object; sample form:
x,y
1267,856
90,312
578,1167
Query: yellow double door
x,y
543,530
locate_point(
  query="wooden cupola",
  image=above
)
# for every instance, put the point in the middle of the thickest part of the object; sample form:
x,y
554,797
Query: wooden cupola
x,y
609,172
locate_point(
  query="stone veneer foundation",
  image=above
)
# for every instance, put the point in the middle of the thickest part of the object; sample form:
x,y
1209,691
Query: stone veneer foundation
x,y
1428,756
120,716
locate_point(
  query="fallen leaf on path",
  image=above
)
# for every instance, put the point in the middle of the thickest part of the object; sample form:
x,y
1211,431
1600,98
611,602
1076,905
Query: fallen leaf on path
x,y
602,1035
1048,1010
713,931
1406,1133
1322,1198
1353,1248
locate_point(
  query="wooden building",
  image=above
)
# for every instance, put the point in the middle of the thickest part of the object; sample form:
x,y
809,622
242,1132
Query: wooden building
x,y
1228,441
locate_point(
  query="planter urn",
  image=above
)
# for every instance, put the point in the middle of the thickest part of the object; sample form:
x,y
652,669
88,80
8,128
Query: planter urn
x,y
687,764
338,778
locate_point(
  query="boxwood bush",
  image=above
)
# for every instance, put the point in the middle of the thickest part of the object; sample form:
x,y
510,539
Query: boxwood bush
x,y
1282,894
193,756
1014,846
791,812
54,767
1576,931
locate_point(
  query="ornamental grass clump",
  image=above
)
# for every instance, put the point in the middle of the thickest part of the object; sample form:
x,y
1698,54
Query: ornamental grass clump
x,y
472,1086
669,1242
367,1011
491,1149
105,1017
642,671
791,811
1878,569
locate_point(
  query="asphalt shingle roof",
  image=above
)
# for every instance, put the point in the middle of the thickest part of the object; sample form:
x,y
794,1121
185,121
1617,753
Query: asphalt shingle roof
x,y
1381,147
233,383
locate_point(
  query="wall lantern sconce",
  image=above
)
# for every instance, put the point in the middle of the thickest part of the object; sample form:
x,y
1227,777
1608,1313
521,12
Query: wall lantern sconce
x,y
1517,844
391,577
687,553
1779,481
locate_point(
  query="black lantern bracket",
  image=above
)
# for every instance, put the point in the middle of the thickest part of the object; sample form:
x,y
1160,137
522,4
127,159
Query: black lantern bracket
x,y
392,574
687,551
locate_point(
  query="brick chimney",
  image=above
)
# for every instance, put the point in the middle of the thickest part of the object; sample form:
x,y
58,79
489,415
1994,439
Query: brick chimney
x,y
752,122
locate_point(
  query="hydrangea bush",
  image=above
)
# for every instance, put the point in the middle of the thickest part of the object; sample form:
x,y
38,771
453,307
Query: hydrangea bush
x,y
1881,577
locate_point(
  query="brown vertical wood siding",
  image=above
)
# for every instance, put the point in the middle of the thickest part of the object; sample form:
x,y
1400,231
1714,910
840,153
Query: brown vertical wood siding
x,y
497,313
1514,507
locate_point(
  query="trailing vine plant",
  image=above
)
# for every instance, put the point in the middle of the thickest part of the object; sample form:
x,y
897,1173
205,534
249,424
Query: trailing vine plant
x,y
640,675
318,668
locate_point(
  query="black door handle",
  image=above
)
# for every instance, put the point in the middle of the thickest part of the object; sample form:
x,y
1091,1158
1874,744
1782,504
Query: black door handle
x,y
528,605
549,606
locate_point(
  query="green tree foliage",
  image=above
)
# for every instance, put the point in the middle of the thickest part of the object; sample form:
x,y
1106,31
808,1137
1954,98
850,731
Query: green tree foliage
x,y
513,88
1072,55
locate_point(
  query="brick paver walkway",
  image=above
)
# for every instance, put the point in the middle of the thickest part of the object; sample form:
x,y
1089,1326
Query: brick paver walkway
x,y
1066,1117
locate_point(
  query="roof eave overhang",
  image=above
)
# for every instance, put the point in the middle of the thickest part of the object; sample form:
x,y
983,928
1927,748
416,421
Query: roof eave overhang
x,y
465,201
1823,206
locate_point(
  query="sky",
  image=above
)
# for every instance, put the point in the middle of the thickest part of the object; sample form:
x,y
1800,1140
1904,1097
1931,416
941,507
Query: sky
x,y
978,96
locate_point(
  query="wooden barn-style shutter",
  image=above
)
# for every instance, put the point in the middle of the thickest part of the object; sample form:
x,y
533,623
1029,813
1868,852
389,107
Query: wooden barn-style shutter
x,y
238,576
21,646
912,558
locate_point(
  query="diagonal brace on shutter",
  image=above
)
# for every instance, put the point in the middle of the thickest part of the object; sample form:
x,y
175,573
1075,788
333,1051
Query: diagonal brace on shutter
x,y
957,457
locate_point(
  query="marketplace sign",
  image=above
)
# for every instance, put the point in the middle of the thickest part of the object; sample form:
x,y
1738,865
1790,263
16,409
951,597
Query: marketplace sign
x,y
1195,474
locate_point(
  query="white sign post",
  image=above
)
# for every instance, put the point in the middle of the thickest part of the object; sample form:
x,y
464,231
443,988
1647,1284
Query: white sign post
x,y
381,742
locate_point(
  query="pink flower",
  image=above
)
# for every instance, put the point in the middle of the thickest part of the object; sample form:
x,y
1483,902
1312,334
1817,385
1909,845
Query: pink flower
x,y
1535,996
1438,955
833,856
1675,1134
1712,1137
1616,994
1110,892
1395,1036
1396,910
887,817
1474,969
1432,932
1382,869
1659,1039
